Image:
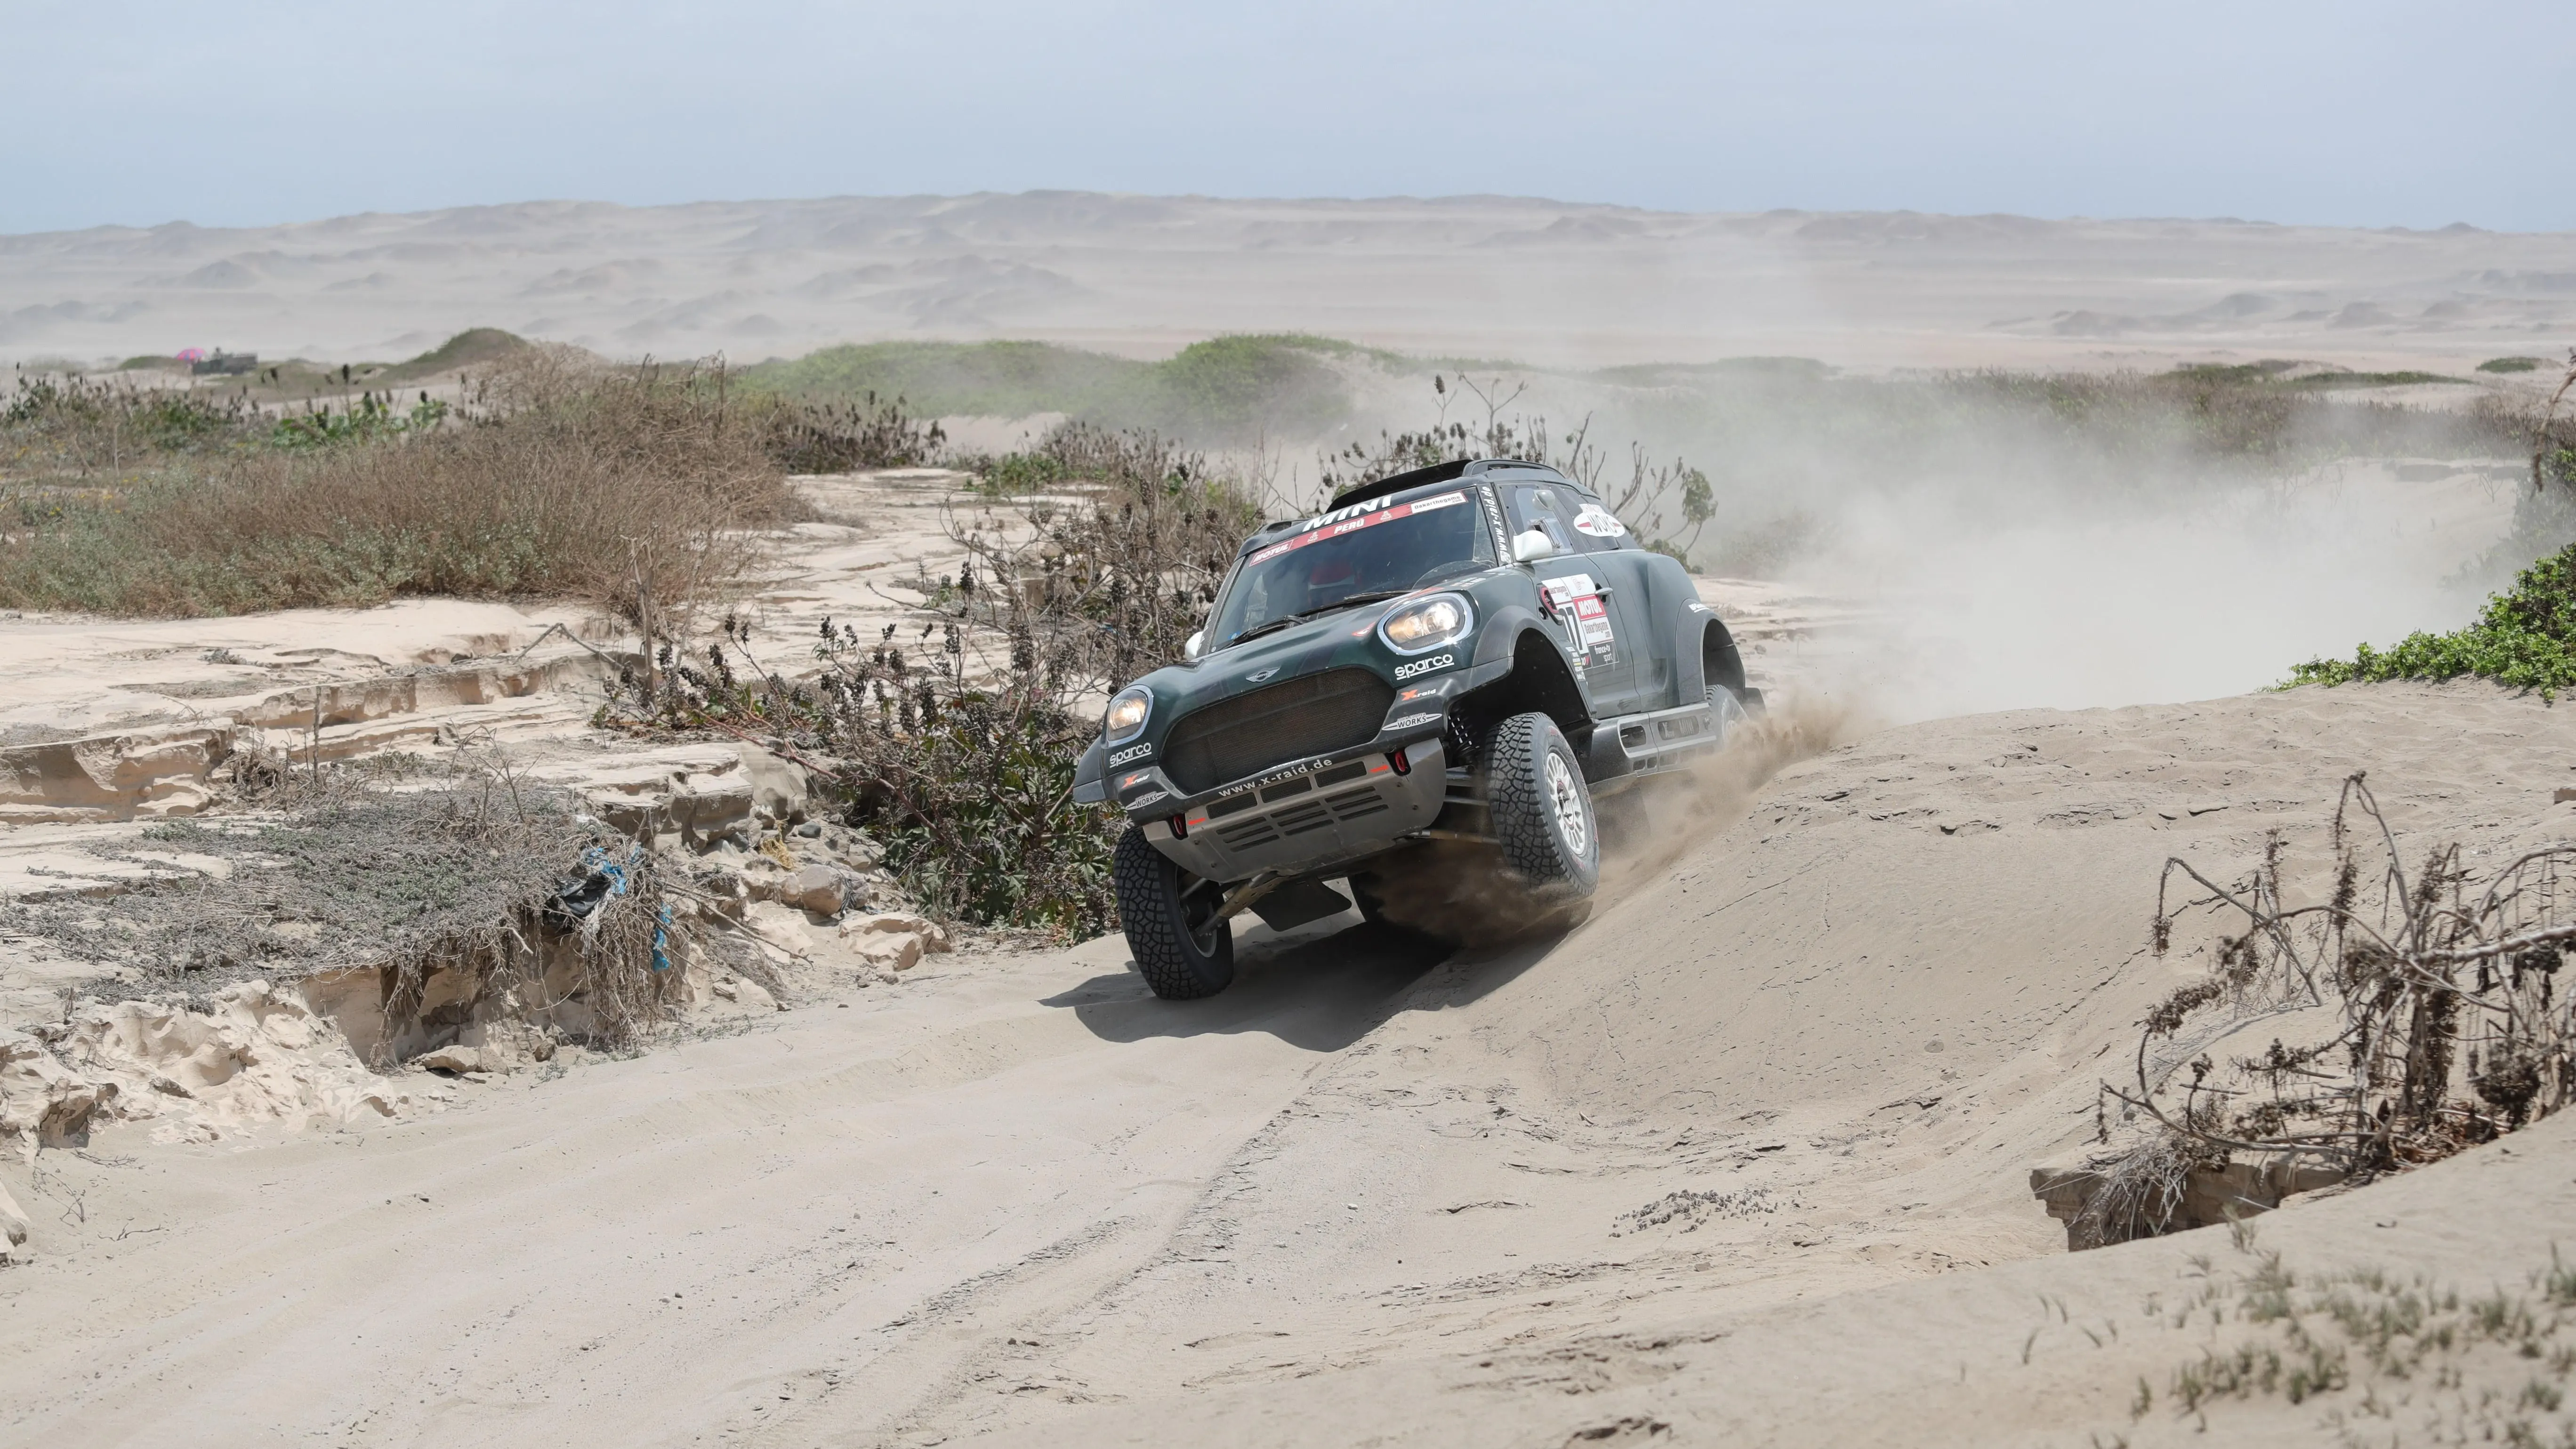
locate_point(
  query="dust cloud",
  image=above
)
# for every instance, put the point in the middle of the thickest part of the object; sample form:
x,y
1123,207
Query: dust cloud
x,y
1958,603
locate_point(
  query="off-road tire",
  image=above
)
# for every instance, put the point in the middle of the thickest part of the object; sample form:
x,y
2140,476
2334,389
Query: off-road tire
x,y
1542,813
1152,912
1731,712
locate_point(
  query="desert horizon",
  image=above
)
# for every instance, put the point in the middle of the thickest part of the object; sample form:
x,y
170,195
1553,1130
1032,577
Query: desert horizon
x,y
1521,280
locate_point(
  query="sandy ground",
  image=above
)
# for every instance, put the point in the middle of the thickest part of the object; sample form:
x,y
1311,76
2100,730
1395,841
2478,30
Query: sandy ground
x,y
1743,1159
1544,282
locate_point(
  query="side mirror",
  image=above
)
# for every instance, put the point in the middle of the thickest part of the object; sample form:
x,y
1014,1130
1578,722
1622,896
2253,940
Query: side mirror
x,y
1190,650
1532,546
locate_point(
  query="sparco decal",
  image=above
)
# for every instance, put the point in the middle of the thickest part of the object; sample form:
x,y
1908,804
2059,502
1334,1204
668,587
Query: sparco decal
x,y
1425,666
1132,752
1411,720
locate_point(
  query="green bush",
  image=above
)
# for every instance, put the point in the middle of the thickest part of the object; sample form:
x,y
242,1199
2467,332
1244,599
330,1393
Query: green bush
x,y
2512,364
2526,637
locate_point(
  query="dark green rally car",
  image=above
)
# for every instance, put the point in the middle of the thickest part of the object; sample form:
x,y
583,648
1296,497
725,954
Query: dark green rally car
x,y
1468,652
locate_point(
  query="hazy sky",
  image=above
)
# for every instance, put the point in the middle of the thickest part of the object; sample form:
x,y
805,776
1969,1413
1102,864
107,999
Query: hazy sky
x,y
2368,112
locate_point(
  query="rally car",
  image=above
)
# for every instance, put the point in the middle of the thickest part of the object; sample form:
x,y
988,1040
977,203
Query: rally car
x,y
1473,652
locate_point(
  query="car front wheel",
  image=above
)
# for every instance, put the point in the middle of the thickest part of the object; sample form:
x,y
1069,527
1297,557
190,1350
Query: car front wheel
x,y
1542,810
1181,949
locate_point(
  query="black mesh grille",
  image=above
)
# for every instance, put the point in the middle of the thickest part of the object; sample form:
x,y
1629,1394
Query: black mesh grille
x,y
1251,732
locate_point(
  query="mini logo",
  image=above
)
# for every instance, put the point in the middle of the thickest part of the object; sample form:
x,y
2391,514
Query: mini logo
x,y
1258,675
1132,752
1425,666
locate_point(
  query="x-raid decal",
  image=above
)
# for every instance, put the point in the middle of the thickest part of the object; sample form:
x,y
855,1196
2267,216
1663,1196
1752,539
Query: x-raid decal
x,y
1352,519
1199,816
1302,767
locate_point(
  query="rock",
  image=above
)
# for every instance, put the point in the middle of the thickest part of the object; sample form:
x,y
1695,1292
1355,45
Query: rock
x,y
815,888
42,1102
778,789
13,1221
763,879
147,774
934,937
890,953
454,1058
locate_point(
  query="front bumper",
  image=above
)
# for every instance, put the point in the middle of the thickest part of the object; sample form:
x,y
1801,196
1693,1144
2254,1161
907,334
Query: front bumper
x,y
1308,815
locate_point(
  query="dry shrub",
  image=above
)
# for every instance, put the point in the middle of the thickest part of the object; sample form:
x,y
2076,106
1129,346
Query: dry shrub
x,y
627,487
2412,1013
479,874
956,744
841,437
1655,499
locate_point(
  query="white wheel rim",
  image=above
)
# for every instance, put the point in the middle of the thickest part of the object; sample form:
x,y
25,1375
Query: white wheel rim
x,y
1730,713
1572,821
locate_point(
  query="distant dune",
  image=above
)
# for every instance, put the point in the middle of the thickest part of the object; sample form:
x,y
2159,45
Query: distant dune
x,y
1481,276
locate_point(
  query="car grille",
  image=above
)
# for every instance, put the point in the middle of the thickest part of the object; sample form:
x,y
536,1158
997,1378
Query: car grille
x,y
1250,733
1298,819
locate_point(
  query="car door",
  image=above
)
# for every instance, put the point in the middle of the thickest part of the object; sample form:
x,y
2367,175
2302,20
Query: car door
x,y
1581,596
1610,553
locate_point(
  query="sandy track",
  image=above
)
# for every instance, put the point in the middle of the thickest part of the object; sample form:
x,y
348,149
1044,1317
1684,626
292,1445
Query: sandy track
x,y
849,1210
1657,1170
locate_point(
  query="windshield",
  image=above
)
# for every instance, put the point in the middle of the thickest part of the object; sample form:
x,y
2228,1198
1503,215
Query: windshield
x,y
1367,549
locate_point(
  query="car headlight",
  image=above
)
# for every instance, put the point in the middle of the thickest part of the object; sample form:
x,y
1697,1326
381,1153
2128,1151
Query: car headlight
x,y
1419,624
1127,715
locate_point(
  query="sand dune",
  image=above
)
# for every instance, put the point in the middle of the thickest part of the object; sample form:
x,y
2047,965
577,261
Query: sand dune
x,y
1734,1162
1538,281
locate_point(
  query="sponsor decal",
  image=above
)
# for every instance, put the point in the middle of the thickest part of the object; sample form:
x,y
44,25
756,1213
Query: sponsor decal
x,y
1258,675
1139,778
1411,720
1148,798
1425,666
1433,690
1699,608
1302,767
1351,520
1586,616
1132,752
1592,621
1566,589
1599,522
1493,508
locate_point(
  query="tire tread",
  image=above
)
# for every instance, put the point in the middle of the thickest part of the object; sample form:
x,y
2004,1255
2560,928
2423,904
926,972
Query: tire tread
x,y
1155,936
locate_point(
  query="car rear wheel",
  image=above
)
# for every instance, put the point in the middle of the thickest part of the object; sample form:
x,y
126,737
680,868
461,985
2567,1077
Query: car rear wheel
x,y
1729,709
1542,810
1181,949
